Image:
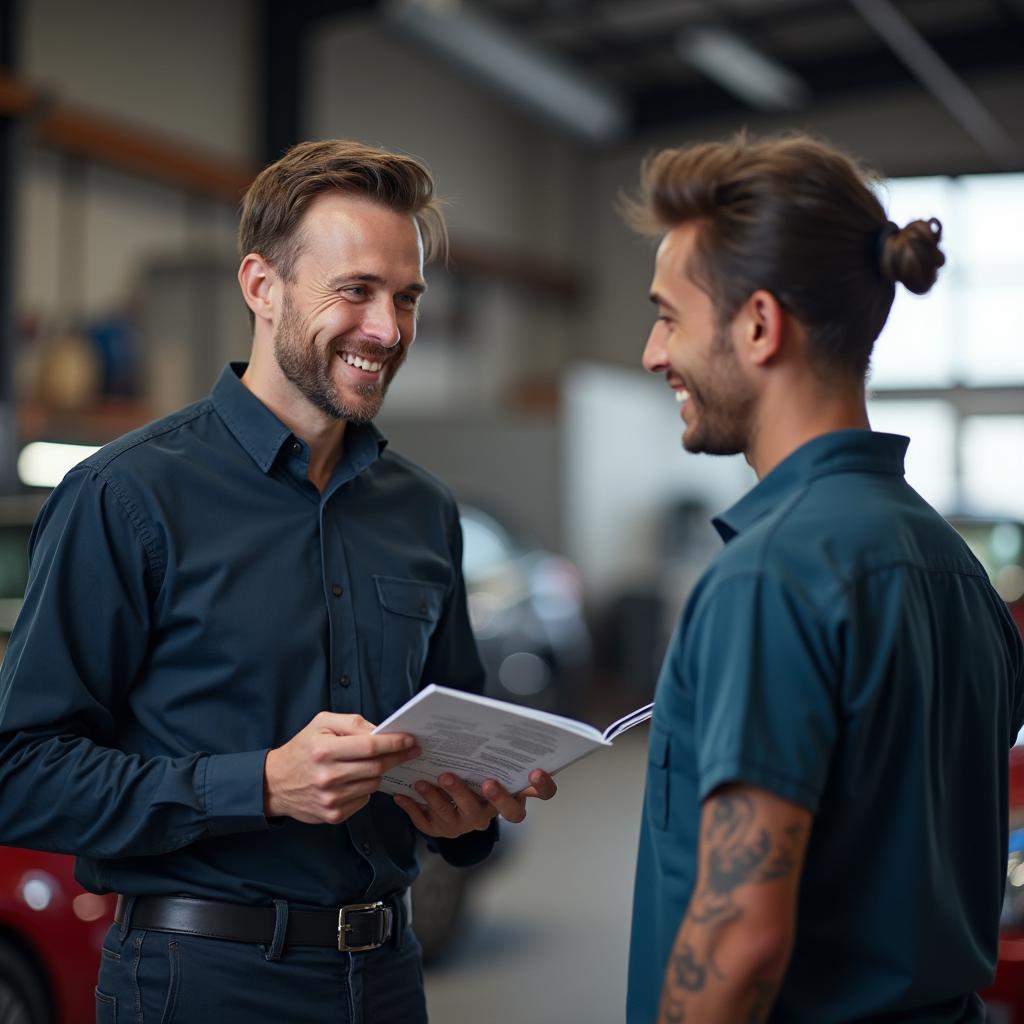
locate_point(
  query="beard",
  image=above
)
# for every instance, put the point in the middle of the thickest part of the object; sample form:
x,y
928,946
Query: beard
x,y
723,401
309,369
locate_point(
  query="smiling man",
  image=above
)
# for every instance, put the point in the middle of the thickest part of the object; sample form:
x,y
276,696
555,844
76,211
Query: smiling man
x,y
220,605
824,834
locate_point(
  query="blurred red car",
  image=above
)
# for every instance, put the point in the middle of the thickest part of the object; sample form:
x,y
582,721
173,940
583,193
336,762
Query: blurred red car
x,y
1005,998
999,546
51,931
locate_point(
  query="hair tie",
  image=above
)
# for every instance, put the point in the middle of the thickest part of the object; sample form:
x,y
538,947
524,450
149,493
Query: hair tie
x,y
889,228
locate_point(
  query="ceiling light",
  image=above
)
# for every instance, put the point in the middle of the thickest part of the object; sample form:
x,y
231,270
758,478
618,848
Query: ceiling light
x,y
739,68
523,72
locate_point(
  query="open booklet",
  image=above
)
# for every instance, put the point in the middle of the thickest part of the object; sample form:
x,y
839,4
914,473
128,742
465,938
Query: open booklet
x,y
479,738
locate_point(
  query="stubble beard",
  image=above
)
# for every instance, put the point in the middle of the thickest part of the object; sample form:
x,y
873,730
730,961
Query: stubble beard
x,y
724,404
310,371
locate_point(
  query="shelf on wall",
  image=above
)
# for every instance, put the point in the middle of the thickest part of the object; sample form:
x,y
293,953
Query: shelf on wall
x,y
96,424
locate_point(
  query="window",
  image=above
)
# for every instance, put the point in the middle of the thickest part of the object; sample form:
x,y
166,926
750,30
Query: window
x,y
958,347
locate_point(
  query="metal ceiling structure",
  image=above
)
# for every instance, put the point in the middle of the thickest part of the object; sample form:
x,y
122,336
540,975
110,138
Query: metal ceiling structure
x,y
655,64
632,46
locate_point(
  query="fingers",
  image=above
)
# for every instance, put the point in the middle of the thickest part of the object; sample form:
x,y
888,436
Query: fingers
x,y
450,810
417,815
511,808
367,747
440,806
439,816
342,725
543,787
470,807
374,767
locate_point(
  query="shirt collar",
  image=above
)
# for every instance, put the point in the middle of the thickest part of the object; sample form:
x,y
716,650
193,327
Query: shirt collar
x,y
262,434
842,451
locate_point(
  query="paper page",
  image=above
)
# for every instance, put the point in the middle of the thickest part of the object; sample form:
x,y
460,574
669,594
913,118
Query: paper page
x,y
627,722
478,739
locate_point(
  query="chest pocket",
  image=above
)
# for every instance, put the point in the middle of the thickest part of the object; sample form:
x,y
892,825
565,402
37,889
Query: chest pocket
x,y
410,611
658,751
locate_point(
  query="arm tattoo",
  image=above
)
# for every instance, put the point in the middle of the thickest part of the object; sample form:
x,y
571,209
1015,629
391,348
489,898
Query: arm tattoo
x,y
674,1013
739,851
688,973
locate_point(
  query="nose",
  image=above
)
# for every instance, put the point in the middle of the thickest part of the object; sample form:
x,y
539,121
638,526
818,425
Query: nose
x,y
380,322
655,357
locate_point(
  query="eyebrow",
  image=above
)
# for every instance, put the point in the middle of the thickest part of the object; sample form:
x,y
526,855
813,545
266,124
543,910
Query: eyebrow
x,y
416,286
659,300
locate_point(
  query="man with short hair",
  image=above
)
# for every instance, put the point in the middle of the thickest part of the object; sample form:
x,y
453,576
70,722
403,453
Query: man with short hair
x,y
824,834
219,606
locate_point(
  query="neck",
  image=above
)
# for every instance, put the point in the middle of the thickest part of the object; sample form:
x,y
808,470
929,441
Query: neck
x,y
794,415
324,434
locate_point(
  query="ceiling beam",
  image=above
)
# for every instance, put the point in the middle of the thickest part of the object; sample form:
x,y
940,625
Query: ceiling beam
x,y
830,76
942,81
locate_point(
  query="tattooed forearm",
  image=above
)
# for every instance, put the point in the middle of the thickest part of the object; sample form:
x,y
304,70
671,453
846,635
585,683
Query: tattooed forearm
x,y
741,845
687,972
739,852
673,1013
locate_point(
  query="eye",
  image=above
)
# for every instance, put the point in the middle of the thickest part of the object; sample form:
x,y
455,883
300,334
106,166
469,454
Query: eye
x,y
408,300
357,291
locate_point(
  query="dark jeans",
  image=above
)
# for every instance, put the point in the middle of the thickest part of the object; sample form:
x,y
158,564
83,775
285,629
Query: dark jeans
x,y
150,977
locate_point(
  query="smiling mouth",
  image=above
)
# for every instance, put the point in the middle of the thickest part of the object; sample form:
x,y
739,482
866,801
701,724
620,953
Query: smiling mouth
x,y
682,395
366,365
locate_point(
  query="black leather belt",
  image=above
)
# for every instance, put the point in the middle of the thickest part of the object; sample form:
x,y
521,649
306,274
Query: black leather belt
x,y
351,929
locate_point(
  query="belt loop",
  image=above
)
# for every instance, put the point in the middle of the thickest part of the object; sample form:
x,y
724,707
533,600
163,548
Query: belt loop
x,y
401,908
127,905
280,930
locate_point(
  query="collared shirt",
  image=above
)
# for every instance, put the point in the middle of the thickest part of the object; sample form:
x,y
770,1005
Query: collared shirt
x,y
193,601
845,651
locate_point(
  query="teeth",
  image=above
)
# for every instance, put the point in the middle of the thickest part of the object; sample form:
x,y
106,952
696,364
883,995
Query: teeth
x,y
361,364
682,396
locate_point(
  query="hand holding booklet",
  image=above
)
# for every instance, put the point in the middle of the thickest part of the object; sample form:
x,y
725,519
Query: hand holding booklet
x,y
479,738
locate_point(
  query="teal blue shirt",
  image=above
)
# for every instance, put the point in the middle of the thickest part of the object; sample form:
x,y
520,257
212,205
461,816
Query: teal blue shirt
x,y
845,651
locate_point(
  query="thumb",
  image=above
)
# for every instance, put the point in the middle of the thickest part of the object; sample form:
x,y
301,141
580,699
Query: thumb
x,y
342,725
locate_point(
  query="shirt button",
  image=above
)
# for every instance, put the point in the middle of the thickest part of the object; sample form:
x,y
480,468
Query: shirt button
x,y
423,608
344,679
296,447
366,847
336,590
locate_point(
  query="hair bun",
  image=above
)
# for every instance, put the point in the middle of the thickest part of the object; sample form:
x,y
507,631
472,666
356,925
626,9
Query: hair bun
x,y
911,255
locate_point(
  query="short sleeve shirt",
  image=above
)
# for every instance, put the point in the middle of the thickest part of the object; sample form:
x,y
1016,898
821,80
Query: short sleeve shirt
x,y
846,652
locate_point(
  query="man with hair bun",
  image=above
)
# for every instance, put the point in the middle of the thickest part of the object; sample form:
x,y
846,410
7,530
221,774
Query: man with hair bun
x,y
220,605
824,834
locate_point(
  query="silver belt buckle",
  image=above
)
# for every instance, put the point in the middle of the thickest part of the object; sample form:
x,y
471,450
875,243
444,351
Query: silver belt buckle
x,y
344,927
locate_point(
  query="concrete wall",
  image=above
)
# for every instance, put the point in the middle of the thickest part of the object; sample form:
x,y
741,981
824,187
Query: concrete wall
x,y
162,75
509,183
186,70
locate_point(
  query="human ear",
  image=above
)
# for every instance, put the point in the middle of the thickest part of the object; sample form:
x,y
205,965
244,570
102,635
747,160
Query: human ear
x,y
255,278
761,325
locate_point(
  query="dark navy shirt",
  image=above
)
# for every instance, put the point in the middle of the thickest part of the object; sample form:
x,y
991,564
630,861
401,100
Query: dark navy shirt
x,y
845,651
193,601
